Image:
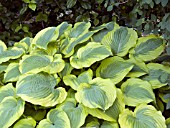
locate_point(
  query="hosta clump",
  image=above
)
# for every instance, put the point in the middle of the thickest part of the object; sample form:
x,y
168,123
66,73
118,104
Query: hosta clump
x,y
71,77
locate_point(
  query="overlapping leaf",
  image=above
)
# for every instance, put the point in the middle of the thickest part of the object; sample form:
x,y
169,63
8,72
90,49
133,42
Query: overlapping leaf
x,y
76,115
12,53
74,82
120,40
137,91
50,34
39,89
158,75
114,68
102,30
89,54
36,63
144,116
77,35
6,91
109,125
98,93
10,110
55,118
12,73
25,123
139,68
148,48
112,113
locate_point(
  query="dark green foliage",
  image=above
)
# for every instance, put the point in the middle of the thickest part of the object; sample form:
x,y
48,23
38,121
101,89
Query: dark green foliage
x,y
25,18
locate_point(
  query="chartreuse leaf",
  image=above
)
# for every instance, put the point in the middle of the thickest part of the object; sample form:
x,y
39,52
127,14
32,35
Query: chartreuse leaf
x,y
12,73
12,53
102,30
158,75
76,115
98,93
50,34
39,89
52,49
89,54
144,116
25,123
74,82
112,113
55,119
6,91
114,68
3,47
137,91
91,122
109,125
77,35
148,48
168,122
139,68
34,63
120,40
10,110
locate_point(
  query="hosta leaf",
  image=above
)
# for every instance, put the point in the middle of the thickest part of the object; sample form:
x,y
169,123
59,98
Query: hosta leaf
x,y
112,113
12,73
137,91
92,122
25,123
109,125
66,71
39,89
6,91
10,110
139,68
89,54
34,63
148,48
52,49
102,30
99,93
114,68
77,35
13,53
158,75
27,40
55,119
50,34
22,45
74,82
120,40
75,114
3,67
144,116
57,65
3,47
78,29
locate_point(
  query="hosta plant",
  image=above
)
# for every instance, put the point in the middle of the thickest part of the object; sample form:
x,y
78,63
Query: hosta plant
x,y
79,76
